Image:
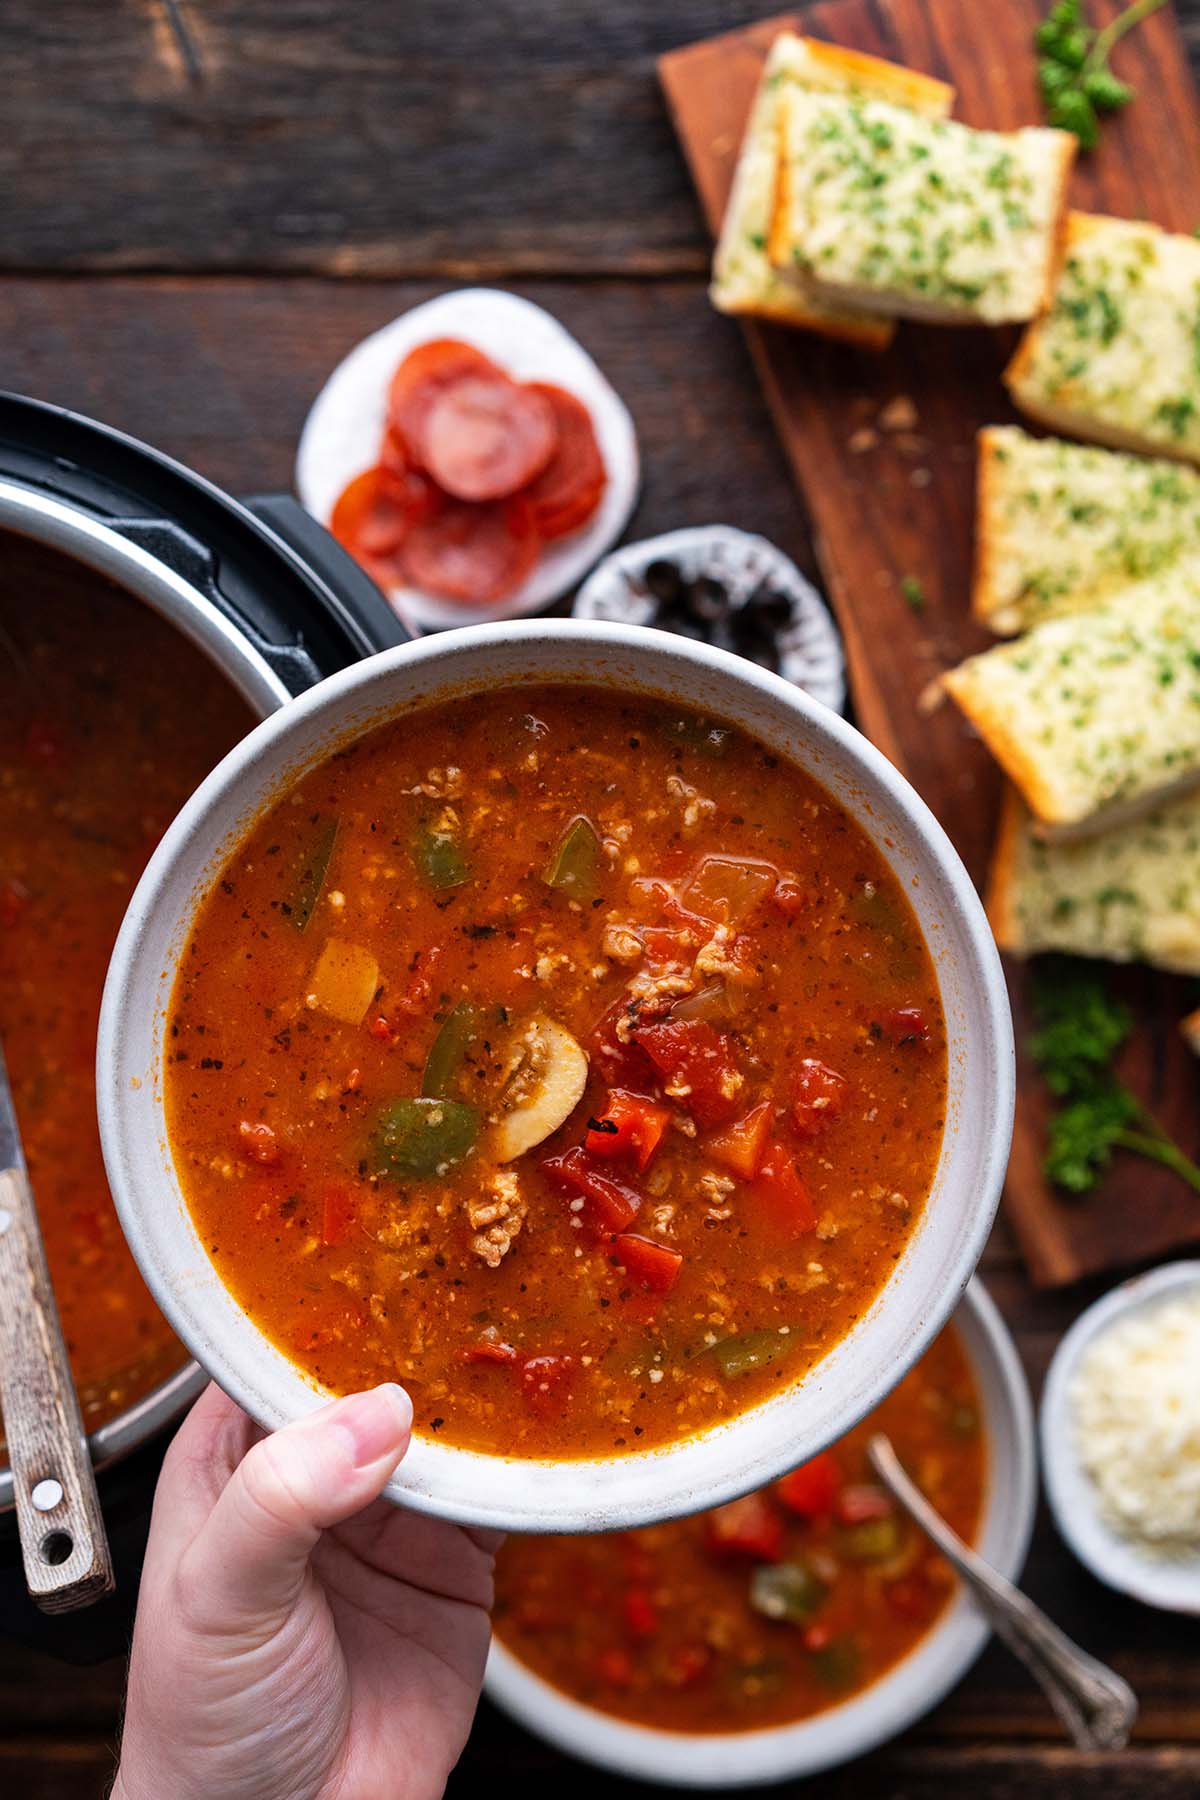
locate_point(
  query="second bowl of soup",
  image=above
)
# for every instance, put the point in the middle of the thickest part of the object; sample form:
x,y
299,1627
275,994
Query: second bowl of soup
x,y
581,1028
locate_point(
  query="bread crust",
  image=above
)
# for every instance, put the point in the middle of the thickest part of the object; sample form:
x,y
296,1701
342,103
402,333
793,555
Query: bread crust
x,y
985,604
1000,896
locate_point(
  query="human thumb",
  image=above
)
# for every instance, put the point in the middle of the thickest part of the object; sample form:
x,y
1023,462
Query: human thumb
x,y
246,1565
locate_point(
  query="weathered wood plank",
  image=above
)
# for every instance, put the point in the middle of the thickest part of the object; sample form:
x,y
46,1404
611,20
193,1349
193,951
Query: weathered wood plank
x,y
892,506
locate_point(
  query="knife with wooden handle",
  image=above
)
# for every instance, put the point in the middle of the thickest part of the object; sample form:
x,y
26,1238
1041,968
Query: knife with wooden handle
x,y
63,1541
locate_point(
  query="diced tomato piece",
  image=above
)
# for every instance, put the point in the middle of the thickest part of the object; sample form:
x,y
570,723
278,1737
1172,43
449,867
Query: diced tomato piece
x,y
746,1527
817,1637
14,902
640,1615
650,1264
818,1096
740,1146
611,1203
614,1668
630,1126
258,1143
861,1502
379,1028
546,1384
907,1024
664,944
810,1490
691,1054
623,1065
337,1213
780,1186
489,1350
789,899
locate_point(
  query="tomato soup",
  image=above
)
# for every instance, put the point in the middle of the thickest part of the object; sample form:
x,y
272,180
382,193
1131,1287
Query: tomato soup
x,y
110,720
770,1609
569,1058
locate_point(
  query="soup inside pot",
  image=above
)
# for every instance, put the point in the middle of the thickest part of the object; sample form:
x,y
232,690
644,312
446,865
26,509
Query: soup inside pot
x,y
569,1057
109,720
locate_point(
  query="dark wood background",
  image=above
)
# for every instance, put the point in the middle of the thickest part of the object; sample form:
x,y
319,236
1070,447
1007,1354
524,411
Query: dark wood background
x,y
187,244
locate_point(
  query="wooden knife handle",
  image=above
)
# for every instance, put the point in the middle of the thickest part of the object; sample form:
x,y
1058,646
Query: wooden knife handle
x,y
63,1541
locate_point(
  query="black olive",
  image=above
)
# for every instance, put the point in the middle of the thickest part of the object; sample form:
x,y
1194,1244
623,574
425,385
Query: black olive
x,y
663,582
708,597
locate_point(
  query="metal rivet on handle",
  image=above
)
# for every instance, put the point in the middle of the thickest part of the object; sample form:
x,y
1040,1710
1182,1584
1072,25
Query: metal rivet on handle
x,y
47,1495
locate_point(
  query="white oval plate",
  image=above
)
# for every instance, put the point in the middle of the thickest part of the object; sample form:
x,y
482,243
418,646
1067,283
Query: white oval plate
x,y
344,428
878,1712
1166,1582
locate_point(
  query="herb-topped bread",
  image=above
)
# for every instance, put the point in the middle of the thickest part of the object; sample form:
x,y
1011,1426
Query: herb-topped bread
x,y
1097,716
1115,357
1130,895
1059,527
908,216
743,278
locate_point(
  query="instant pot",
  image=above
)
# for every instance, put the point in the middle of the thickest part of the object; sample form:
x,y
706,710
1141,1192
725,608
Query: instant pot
x,y
257,585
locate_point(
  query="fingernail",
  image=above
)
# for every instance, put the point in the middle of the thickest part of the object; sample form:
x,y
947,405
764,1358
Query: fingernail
x,y
377,1422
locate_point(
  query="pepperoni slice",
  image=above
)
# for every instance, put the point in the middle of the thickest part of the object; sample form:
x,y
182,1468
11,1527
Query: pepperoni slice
x,y
421,377
419,494
568,490
371,516
484,436
472,552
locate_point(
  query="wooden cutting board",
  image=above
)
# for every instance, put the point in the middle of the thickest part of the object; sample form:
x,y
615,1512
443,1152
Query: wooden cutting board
x,y
883,450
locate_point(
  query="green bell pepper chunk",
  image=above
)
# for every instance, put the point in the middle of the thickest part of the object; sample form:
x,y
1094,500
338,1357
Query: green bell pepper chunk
x,y
875,1540
414,1139
839,1664
786,1591
309,877
448,1050
752,1350
439,858
574,866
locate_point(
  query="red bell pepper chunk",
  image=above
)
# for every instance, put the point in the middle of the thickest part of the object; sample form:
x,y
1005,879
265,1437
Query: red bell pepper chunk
x,y
640,1614
630,1126
780,1186
611,1203
746,1527
488,1350
546,1384
691,1054
650,1264
907,1024
337,1213
739,1147
810,1490
818,1096
862,1502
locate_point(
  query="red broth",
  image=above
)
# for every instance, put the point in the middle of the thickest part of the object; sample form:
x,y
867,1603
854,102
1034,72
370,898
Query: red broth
x,y
771,1609
476,910
97,754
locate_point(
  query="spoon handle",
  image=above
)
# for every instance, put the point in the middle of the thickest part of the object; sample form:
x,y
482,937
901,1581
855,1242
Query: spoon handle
x,y
1095,1704
61,1527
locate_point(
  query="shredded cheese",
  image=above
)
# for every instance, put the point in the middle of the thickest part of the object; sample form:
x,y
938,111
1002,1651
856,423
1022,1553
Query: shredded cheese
x,y
1135,1404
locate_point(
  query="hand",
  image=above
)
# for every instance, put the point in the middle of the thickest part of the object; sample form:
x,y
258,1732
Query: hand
x,y
297,1637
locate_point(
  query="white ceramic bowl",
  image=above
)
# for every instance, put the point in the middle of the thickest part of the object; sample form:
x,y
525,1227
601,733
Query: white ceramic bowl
x,y
729,1458
1167,1582
889,1705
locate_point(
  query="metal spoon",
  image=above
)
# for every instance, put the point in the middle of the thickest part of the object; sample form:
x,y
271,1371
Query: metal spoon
x,y
1097,1707
63,1541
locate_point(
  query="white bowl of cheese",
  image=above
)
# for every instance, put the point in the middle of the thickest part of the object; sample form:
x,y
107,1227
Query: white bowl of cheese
x,y
1120,1437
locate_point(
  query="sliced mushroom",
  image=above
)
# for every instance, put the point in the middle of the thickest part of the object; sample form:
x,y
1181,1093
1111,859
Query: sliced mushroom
x,y
546,1085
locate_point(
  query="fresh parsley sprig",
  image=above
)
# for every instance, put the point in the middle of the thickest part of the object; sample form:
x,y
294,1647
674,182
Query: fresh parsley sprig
x,y
1077,85
1079,1030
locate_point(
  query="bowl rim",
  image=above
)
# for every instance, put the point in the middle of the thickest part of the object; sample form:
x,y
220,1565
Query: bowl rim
x,y
487,1489
1168,1583
893,1702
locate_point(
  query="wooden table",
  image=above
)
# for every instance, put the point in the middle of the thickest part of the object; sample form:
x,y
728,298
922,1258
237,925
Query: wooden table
x,y
190,241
